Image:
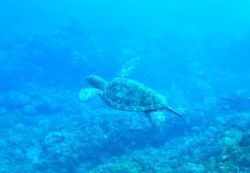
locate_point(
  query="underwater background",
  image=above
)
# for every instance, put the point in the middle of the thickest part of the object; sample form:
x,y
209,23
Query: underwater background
x,y
196,53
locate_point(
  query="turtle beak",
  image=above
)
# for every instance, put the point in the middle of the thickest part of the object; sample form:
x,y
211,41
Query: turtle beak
x,y
96,82
91,80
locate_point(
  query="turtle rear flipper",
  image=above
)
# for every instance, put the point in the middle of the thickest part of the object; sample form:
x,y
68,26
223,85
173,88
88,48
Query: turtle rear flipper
x,y
87,93
156,118
173,112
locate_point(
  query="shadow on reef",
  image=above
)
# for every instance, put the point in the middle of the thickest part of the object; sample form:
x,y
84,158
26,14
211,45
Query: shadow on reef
x,y
126,139
127,132
95,139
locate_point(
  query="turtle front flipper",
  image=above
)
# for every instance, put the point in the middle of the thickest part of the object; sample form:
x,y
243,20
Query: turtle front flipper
x,y
128,67
87,93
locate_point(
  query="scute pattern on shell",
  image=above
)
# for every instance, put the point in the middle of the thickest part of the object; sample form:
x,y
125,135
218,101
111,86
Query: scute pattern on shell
x,y
130,95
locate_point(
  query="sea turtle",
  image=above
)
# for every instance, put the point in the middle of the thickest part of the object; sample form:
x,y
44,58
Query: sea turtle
x,y
127,95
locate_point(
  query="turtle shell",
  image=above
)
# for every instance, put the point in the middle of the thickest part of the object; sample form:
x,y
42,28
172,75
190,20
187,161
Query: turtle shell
x,y
129,95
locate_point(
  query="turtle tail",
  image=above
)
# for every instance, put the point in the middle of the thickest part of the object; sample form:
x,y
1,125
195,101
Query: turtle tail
x,y
172,111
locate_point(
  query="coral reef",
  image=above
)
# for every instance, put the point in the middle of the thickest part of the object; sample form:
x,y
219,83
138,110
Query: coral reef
x,y
44,127
54,132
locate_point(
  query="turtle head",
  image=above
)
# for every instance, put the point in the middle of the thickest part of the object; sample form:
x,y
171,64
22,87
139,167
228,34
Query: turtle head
x,y
96,82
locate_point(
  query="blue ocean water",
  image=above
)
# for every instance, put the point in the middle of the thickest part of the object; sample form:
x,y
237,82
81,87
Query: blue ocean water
x,y
196,54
